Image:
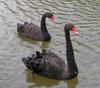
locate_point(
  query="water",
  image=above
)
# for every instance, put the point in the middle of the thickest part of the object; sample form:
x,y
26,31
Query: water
x,y
86,17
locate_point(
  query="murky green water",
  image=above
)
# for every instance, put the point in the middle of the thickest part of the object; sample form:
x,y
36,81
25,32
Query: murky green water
x,y
86,46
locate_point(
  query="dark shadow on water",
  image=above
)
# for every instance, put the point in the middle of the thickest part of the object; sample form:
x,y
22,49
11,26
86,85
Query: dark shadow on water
x,y
39,81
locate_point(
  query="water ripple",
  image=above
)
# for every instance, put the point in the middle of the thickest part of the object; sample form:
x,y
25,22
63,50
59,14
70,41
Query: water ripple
x,y
86,46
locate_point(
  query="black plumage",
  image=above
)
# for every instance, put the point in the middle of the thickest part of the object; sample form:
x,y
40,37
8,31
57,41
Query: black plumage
x,y
35,32
50,65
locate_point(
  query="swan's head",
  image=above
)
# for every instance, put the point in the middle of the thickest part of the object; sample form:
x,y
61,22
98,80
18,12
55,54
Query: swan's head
x,y
71,27
51,16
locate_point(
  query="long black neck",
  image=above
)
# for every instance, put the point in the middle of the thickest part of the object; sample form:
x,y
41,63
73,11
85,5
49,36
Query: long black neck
x,y
44,30
70,54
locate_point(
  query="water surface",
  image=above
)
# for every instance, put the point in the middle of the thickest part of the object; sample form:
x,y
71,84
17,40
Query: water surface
x,y
86,17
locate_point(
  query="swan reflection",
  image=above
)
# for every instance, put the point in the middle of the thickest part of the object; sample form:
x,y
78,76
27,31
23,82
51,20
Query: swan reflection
x,y
43,82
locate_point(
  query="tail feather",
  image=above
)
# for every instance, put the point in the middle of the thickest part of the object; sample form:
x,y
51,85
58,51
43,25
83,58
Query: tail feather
x,y
20,28
38,54
31,59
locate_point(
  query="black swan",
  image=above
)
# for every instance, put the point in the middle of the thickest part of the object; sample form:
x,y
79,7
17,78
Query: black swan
x,y
50,65
33,31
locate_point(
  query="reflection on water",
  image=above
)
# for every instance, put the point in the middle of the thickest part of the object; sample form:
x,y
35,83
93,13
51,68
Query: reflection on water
x,y
45,45
39,81
72,83
86,46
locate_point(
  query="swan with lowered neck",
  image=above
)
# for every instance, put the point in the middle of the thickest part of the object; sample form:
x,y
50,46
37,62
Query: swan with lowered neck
x,y
50,65
33,31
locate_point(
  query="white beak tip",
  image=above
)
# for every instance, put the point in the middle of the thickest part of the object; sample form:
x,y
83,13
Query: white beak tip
x,y
77,33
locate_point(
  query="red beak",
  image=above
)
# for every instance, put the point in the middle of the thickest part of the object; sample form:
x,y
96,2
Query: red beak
x,y
74,30
53,18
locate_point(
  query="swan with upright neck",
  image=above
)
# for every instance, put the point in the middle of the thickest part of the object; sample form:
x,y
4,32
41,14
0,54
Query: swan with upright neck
x,y
50,65
35,32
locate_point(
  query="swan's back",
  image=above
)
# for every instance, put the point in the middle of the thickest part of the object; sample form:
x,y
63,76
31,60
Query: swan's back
x,y
48,65
31,30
